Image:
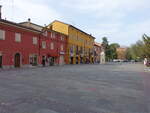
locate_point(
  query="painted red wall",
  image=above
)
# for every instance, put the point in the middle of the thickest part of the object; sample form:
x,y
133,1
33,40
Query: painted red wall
x,y
9,47
57,45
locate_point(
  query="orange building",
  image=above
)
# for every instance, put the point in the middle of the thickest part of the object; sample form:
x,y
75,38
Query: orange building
x,y
121,53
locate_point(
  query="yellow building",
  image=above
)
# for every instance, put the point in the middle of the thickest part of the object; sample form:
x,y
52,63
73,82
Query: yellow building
x,y
80,44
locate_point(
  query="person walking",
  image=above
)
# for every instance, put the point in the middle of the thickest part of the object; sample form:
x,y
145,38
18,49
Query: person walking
x,y
145,61
43,61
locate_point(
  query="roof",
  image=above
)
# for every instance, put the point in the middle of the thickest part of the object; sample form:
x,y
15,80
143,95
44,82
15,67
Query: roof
x,y
97,44
32,25
52,31
38,27
18,25
73,27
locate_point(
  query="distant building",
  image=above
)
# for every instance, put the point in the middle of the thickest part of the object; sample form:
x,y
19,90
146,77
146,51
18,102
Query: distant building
x,y
121,53
99,54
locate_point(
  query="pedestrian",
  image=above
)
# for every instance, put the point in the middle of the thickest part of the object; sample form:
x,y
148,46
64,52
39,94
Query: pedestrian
x,y
43,61
145,61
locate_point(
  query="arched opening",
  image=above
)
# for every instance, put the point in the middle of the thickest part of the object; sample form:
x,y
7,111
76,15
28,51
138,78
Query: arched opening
x,y
17,60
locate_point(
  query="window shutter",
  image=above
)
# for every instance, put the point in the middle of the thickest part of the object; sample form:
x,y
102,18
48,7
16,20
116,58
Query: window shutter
x,y
2,35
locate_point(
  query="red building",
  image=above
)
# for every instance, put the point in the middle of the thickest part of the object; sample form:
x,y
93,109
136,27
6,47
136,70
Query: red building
x,y
53,47
24,46
53,44
97,52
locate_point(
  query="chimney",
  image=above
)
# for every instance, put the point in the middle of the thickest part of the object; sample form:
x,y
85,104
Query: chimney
x,y
0,11
29,22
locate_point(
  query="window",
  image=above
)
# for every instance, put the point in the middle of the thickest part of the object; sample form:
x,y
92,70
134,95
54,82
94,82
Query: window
x,y
62,47
33,59
53,35
45,33
2,35
17,37
43,44
62,38
52,45
35,41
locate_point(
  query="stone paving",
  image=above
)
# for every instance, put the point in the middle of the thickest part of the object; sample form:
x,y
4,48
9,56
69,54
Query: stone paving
x,y
110,88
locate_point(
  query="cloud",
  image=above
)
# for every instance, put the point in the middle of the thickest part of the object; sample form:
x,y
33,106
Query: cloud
x,y
106,8
122,21
119,20
21,10
124,35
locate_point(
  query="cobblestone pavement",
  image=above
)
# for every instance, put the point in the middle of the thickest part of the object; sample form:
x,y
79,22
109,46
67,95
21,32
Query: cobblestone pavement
x,y
110,88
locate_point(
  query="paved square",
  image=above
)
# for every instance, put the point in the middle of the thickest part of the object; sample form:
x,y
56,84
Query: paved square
x,y
110,88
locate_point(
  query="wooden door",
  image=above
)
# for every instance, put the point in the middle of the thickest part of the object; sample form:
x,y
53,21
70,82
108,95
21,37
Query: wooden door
x,y
1,61
17,60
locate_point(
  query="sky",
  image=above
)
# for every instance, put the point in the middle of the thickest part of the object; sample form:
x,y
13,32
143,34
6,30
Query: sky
x,y
121,21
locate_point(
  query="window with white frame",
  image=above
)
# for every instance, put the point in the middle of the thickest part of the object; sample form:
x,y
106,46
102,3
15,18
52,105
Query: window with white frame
x,y
62,47
45,33
62,38
43,44
2,35
35,41
17,37
52,45
53,35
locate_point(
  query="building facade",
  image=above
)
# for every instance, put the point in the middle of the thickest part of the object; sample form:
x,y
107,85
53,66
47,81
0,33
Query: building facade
x,y
53,44
53,47
99,53
121,53
18,45
22,46
80,48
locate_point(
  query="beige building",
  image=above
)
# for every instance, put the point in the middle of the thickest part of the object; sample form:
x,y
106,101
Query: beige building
x,y
99,53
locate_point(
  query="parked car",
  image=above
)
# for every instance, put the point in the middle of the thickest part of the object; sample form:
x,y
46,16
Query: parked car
x,y
116,60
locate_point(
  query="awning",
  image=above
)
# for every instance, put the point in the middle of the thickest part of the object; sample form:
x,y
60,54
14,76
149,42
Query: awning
x,y
52,55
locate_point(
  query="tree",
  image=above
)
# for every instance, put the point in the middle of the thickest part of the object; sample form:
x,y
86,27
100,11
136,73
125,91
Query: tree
x,y
110,50
105,44
146,48
140,49
113,49
128,54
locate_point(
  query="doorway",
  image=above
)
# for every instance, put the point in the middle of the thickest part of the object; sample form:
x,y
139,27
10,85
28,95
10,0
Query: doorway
x,y
61,60
71,60
1,60
17,60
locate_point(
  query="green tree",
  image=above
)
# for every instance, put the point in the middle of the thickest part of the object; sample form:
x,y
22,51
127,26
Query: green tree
x,y
140,49
113,49
105,44
128,54
110,50
146,47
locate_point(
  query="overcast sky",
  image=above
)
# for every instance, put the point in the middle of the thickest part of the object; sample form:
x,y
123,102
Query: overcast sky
x,y
122,21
